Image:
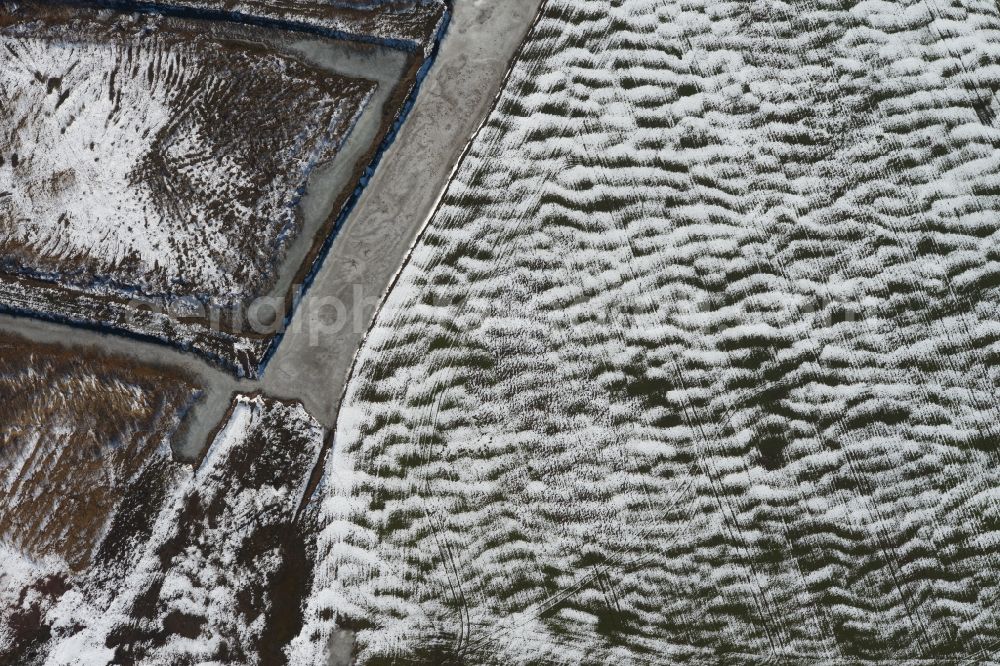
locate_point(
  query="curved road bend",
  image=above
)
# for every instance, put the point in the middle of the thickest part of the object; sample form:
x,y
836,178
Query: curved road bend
x,y
454,100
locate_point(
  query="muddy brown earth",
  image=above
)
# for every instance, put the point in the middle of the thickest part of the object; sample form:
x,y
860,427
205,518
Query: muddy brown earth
x,y
147,155
84,447
405,24
196,565
78,429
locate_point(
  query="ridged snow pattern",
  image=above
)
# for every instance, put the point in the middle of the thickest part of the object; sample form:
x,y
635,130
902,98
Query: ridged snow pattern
x,y
699,356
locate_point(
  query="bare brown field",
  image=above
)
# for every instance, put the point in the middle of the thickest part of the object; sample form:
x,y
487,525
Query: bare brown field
x,y
78,430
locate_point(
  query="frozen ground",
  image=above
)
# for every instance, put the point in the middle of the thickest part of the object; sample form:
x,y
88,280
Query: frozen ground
x,y
698,358
142,155
375,240
135,604
220,179
205,565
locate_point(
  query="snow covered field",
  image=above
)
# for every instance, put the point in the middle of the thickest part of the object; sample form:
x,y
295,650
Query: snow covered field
x,y
147,156
200,566
151,167
698,358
